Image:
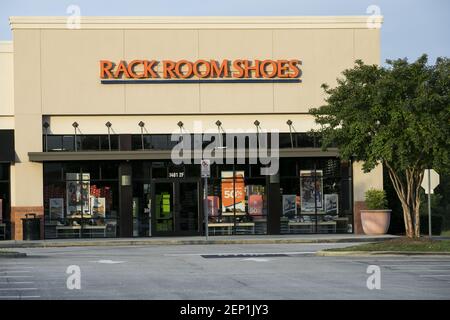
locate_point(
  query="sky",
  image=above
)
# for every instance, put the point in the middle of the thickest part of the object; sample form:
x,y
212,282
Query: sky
x,y
411,27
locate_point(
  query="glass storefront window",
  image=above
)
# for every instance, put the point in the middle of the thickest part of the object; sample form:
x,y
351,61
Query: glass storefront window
x,y
237,203
104,142
142,203
316,200
82,199
68,143
77,204
159,170
89,143
55,143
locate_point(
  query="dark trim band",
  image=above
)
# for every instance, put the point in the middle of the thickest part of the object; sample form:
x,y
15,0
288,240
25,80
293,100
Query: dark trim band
x,y
159,154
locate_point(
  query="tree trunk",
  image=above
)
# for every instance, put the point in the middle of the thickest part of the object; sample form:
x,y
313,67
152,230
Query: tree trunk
x,y
407,190
418,177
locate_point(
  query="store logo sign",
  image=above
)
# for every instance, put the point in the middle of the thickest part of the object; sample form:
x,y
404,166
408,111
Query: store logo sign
x,y
199,71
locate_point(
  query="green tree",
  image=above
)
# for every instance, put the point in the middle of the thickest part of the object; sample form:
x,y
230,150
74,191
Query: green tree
x,y
399,116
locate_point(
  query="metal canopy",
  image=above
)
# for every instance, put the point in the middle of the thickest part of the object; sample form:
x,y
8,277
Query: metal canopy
x,y
159,154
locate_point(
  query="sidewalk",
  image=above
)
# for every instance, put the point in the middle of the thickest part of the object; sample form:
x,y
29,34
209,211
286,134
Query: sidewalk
x,y
257,239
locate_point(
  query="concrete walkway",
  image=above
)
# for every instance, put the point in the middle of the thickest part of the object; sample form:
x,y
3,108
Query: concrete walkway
x,y
256,239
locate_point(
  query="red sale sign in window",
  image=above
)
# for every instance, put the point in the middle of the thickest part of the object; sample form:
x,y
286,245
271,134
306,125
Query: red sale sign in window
x,y
233,192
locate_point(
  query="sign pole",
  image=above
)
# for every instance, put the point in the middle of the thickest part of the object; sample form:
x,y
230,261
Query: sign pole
x,y
429,204
205,204
429,182
205,173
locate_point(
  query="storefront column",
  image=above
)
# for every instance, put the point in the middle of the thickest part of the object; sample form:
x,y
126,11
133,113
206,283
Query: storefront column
x,y
125,200
273,204
26,176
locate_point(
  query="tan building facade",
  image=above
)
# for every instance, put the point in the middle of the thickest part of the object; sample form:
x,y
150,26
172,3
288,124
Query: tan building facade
x,y
51,78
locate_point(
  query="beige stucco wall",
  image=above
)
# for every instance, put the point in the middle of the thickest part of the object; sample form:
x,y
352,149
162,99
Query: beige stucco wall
x,y
27,176
56,75
69,64
365,181
168,123
6,85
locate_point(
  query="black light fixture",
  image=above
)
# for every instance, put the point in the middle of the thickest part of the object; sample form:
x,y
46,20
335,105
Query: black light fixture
x,y
75,127
142,125
181,138
220,130
289,123
180,124
257,123
109,125
46,125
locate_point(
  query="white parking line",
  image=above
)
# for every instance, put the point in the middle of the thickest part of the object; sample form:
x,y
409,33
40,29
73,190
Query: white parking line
x,y
15,271
16,276
17,282
236,253
16,289
434,275
418,265
19,297
446,270
370,259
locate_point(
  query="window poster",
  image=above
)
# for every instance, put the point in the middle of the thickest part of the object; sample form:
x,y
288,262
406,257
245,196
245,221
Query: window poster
x,y
311,190
255,205
331,203
98,205
56,208
233,194
213,206
289,205
77,188
255,194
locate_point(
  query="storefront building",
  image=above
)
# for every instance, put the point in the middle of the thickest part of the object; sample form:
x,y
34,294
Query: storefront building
x,y
90,116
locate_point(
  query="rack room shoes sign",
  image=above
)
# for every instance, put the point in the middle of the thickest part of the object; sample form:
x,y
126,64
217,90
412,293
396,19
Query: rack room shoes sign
x,y
200,71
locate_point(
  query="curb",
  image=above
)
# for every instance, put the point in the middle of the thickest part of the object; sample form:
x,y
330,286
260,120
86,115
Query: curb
x,y
51,244
323,253
12,254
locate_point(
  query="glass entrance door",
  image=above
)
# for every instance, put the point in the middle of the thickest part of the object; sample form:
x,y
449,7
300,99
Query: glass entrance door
x,y
142,200
163,218
175,208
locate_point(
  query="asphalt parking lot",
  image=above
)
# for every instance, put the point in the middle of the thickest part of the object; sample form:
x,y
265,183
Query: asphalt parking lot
x,y
251,271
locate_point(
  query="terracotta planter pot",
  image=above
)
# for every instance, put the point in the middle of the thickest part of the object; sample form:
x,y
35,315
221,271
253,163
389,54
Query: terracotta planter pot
x,y
375,221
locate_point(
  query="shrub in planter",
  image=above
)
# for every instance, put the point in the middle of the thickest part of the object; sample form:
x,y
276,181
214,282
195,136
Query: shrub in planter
x,y
376,199
376,218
